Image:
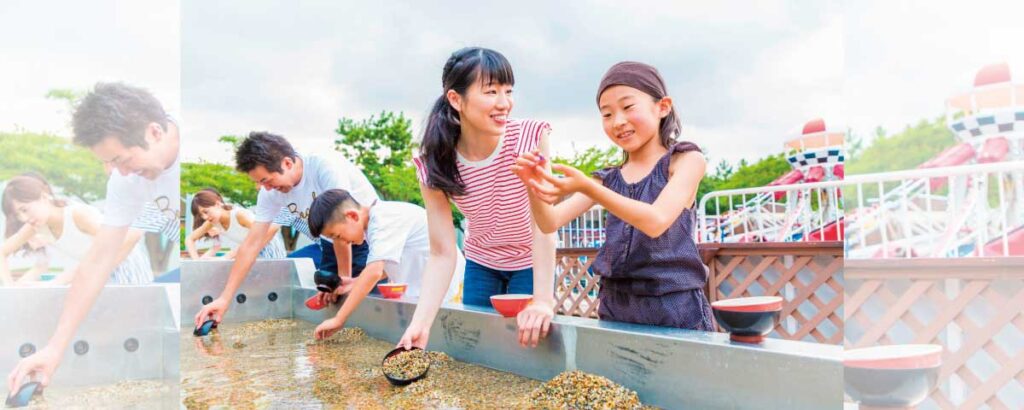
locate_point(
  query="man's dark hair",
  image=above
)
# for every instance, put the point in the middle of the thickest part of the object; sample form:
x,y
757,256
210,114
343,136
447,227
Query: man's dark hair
x,y
263,148
116,110
328,208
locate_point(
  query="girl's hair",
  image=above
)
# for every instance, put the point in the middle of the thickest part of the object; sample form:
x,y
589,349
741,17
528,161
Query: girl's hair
x,y
26,187
206,198
441,134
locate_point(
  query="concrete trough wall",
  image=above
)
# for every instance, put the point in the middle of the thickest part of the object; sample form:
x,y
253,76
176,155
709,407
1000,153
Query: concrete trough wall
x,y
131,333
669,368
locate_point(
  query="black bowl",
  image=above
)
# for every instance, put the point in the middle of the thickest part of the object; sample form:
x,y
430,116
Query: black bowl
x,y
326,281
205,328
24,394
402,382
890,387
747,327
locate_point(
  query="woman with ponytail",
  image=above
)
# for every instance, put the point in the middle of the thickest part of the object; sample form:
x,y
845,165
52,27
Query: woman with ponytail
x,y
469,146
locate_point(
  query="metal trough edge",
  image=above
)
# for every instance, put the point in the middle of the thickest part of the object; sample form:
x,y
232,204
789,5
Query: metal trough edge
x,y
131,333
670,368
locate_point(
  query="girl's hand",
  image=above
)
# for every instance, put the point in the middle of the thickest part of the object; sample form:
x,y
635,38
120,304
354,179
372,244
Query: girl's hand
x,y
572,181
534,323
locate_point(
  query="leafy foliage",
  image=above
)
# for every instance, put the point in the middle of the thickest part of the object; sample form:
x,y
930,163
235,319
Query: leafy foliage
x,y
382,147
73,169
903,150
234,186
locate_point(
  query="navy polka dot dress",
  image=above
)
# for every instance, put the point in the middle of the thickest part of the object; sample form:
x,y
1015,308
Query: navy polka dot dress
x,y
654,281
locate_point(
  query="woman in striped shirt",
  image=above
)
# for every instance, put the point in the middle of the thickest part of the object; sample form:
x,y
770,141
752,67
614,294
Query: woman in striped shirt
x,y
468,149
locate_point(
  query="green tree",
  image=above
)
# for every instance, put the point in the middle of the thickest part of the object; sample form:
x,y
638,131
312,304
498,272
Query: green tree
x,y
232,140
904,150
67,95
744,175
382,147
759,173
234,186
71,168
591,159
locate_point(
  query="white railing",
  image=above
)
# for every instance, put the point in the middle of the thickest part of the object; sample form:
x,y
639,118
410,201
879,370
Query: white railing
x,y
970,210
782,213
586,231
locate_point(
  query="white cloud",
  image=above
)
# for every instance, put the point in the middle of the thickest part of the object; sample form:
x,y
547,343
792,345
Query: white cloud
x,y
298,78
905,58
137,42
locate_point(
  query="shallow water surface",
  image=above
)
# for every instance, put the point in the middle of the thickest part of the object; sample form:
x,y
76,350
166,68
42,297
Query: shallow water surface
x,y
277,364
132,394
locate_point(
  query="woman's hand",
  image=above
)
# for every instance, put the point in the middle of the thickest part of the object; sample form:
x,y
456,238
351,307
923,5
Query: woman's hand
x,y
534,323
416,335
529,167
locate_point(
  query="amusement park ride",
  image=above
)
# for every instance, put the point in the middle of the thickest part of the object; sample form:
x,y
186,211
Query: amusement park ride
x,y
791,215
975,214
937,210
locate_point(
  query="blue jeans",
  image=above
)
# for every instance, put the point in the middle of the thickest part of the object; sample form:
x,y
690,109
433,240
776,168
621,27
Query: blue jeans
x,y
171,276
324,258
481,283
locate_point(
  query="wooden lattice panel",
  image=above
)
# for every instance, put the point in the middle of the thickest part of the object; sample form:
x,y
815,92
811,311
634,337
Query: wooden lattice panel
x,y
973,307
808,276
575,287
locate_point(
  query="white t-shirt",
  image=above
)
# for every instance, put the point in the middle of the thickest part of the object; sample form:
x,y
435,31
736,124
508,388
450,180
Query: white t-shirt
x,y
150,205
398,235
319,173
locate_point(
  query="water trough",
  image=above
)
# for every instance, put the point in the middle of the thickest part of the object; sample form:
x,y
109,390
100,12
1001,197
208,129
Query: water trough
x,y
669,368
131,333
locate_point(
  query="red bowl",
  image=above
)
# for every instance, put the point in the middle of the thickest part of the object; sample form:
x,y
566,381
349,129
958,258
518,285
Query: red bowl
x,y
906,356
750,304
314,302
511,304
392,290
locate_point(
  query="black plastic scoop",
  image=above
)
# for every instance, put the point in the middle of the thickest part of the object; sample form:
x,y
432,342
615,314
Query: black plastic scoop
x,y
205,328
24,394
398,381
326,281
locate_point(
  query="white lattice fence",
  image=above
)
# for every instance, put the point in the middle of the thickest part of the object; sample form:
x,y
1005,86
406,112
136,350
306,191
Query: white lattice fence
x,y
972,307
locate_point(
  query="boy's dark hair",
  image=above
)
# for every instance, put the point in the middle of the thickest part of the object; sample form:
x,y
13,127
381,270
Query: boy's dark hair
x,y
263,148
116,110
327,208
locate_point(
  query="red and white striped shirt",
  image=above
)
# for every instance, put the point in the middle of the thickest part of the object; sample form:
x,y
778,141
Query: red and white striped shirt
x,y
496,207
